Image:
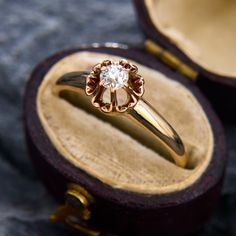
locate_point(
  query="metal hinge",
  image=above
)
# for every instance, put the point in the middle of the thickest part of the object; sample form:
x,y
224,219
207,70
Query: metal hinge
x,y
75,212
171,60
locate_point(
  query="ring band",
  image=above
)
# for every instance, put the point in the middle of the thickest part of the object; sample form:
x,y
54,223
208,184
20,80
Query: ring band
x,y
122,75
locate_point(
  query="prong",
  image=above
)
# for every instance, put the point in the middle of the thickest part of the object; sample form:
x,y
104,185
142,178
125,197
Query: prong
x,y
106,108
114,98
106,63
123,62
97,99
121,109
97,68
131,97
91,85
132,100
134,68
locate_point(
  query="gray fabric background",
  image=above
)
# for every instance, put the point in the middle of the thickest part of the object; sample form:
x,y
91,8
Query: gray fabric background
x,y
31,30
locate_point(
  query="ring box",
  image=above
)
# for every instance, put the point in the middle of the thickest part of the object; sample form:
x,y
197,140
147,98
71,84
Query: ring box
x,y
196,39
115,181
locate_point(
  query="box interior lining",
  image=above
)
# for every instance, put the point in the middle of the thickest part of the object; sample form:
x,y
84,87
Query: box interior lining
x,y
203,30
114,150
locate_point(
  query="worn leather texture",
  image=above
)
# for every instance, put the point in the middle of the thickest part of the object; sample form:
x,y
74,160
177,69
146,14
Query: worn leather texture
x,y
29,32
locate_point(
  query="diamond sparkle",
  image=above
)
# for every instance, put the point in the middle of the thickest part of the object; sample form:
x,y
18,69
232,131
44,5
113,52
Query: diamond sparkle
x,y
114,76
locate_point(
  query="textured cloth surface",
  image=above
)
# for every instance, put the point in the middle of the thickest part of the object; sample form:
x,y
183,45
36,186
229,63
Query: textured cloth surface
x,y
29,32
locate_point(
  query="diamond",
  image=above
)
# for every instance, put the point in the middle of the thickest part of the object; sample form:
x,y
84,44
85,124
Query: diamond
x,y
114,76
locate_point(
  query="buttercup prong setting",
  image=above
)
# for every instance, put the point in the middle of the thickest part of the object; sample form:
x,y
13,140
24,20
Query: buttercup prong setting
x,y
113,76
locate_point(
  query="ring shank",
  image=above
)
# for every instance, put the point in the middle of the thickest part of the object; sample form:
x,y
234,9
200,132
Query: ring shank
x,y
147,117
142,114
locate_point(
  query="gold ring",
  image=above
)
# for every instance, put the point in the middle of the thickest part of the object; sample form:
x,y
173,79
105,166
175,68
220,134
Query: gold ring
x,y
114,79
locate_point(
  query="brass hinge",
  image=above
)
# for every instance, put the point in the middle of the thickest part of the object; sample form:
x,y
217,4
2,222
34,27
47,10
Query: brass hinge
x,y
75,212
171,60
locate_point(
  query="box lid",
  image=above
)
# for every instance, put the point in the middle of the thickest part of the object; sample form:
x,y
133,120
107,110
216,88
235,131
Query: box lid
x,y
199,34
197,40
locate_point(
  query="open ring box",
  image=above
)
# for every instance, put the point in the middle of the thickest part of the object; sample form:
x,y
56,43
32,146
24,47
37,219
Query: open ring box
x,y
110,166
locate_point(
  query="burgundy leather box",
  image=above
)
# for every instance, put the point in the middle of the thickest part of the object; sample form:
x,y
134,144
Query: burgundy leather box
x,y
132,192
